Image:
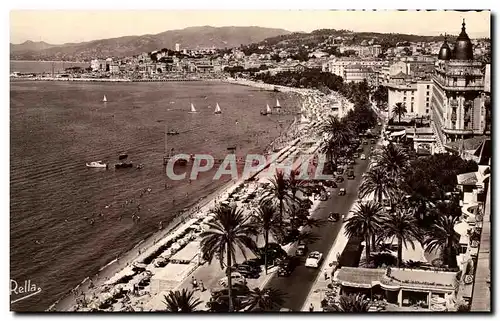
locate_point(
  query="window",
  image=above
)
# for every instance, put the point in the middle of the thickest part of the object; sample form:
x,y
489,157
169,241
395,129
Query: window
x,y
428,86
427,105
427,93
412,93
404,98
411,110
412,98
427,111
427,99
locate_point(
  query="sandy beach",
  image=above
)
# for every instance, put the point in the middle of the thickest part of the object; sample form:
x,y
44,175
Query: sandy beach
x,y
126,274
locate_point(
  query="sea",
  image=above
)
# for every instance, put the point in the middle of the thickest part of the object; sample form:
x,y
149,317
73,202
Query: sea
x,y
56,127
44,66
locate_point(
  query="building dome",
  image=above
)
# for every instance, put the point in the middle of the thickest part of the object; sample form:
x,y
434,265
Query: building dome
x,y
463,46
445,51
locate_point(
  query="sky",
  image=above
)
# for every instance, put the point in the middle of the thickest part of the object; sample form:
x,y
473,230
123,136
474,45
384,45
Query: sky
x,y
62,26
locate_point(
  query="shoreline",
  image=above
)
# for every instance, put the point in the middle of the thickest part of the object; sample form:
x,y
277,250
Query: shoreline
x,y
121,80
152,245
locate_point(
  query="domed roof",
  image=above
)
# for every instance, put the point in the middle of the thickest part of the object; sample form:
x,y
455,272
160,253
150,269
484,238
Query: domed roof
x,y
463,46
445,51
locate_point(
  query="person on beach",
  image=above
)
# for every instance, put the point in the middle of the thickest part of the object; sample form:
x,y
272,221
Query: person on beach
x,y
194,283
311,308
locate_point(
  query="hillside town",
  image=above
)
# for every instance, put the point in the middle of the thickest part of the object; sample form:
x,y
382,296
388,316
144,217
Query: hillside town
x,y
403,225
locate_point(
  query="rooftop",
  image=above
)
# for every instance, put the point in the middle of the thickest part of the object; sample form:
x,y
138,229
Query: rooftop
x,y
467,179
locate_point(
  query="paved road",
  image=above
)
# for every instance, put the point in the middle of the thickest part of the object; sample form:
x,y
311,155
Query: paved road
x,y
298,284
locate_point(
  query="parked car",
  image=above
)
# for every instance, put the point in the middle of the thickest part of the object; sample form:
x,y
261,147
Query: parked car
x,y
365,142
339,179
363,157
314,259
372,141
355,155
350,175
324,196
287,266
301,250
340,171
331,184
247,271
342,192
236,278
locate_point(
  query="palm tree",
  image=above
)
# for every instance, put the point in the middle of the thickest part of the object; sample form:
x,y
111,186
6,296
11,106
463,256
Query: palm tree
x,y
181,301
393,159
229,229
265,216
296,184
442,235
352,303
339,134
279,190
402,225
264,300
400,110
377,181
366,222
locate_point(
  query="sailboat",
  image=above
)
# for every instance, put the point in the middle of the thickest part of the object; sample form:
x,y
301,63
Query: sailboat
x,y
217,109
104,99
193,110
267,111
277,104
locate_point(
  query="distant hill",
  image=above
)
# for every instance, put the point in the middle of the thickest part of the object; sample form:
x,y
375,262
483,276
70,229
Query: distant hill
x,y
30,46
191,38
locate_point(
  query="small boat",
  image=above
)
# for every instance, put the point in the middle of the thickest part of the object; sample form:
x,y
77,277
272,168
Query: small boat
x,y
193,110
172,132
217,109
123,165
276,89
98,164
267,112
104,99
277,104
123,156
140,166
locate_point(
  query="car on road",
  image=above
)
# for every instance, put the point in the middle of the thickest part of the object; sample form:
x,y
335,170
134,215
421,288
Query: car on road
x,y
350,175
334,217
356,155
341,191
339,179
314,259
362,157
372,141
287,266
340,171
236,278
365,142
301,249
352,162
324,196
330,184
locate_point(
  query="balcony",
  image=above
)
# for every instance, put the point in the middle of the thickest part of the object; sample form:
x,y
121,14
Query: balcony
x,y
458,86
453,102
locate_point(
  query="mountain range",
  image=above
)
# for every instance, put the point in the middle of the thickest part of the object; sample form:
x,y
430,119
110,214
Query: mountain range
x,y
191,38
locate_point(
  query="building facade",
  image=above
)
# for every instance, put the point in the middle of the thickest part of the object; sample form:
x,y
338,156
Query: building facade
x,y
458,100
416,95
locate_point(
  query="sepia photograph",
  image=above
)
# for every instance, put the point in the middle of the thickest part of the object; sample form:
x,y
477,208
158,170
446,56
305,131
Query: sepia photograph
x,y
266,161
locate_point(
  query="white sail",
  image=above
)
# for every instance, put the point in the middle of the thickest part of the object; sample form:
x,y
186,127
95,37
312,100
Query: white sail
x,y
268,109
217,109
278,103
104,99
193,110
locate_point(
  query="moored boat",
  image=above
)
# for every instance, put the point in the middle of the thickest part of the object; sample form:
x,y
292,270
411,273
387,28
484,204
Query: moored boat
x,y
123,165
172,132
97,164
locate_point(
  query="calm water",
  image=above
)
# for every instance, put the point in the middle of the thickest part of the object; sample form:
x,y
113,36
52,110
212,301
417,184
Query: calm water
x,y
43,66
56,127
